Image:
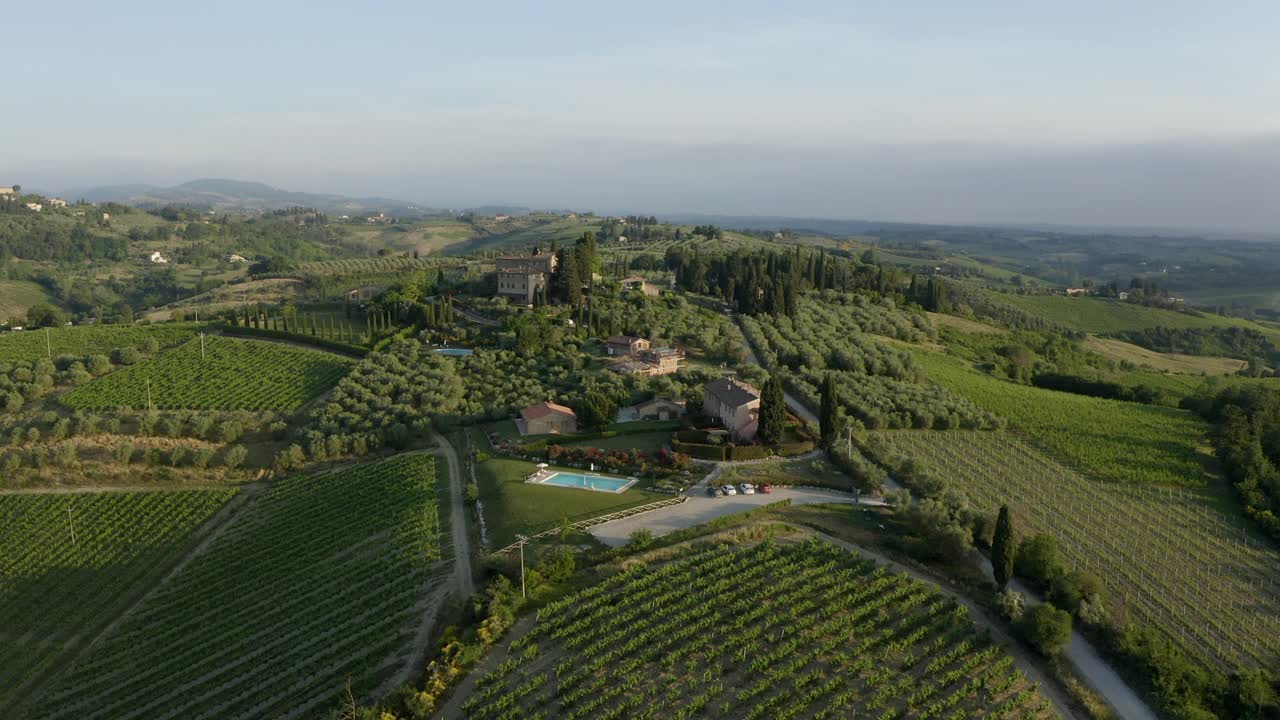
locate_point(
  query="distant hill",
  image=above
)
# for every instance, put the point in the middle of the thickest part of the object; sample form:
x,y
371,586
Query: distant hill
x,y
239,196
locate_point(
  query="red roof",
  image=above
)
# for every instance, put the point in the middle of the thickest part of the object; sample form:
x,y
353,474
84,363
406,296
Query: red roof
x,y
543,409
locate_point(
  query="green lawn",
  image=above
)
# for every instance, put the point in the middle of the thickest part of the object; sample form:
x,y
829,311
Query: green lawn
x,y
512,506
1105,316
650,442
1122,441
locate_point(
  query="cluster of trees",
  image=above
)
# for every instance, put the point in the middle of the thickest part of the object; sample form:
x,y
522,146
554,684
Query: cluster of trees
x,y
221,428
1098,388
1237,342
50,237
758,282
576,267
1246,440
878,385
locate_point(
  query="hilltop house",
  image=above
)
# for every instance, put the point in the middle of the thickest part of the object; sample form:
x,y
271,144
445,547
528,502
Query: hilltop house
x,y
8,192
35,207
626,345
157,258
521,278
735,404
547,418
56,202
635,282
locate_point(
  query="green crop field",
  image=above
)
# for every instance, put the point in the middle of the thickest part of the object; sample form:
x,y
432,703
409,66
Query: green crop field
x,y
233,375
776,631
1113,439
1173,558
80,341
17,296
325,578
1105,316
54,594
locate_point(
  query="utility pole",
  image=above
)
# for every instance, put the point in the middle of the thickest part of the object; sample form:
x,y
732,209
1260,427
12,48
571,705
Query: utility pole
x,y
48,348
201,345
148,394
71,524
523,540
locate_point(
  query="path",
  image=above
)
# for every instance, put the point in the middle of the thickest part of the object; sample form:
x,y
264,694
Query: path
x,y
700,509
475,317
461,539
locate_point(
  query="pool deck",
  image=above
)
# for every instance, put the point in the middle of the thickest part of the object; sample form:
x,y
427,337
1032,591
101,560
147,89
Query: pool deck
x,y
542,476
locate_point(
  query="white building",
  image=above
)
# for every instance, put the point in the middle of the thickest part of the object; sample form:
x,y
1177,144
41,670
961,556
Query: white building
x,y
37,207
157,258
234,258
56,202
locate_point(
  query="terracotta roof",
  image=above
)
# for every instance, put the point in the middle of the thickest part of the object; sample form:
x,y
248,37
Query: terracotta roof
x,y
543,409
732,392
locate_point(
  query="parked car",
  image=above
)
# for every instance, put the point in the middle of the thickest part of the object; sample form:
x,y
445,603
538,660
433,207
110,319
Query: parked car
x,y
766,488
711,492
720,492
729,489
746,489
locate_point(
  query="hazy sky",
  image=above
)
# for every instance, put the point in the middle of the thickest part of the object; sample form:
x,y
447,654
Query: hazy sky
x,y
1151,113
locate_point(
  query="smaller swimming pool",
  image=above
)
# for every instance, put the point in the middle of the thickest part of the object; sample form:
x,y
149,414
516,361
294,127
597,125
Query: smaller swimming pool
x,y
454,352
584,481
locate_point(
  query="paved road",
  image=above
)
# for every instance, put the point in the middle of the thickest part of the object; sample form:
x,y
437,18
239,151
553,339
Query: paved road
x,y
465,583
699,509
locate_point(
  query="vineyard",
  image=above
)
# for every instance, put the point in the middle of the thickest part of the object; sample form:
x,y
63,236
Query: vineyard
x,y
53,591
1169,557
31,345
1118,440
324,579
795,631
232,375
370,266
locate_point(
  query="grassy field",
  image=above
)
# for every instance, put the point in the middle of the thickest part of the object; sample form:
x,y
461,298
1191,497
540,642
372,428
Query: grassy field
x,y
53,593
233,375
1181,561
17,296
1117,440
425,237
1121,351
963,324
780,630
1105,316
325,578
512,506
30,345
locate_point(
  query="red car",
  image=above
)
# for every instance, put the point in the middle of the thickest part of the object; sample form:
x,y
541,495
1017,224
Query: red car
x,y
766,488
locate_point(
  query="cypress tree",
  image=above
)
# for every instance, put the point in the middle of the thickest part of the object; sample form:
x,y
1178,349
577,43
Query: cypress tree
x,y
773,412
827,416
1002,548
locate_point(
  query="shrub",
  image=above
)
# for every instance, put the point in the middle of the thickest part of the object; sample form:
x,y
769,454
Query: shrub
x,y
1046,628
1038,562
1069,589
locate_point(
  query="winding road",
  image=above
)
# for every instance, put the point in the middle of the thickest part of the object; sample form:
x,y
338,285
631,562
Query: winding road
x,y
461,539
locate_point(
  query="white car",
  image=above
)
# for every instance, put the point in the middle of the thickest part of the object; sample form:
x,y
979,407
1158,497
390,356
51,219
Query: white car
x,y
746,489
729,490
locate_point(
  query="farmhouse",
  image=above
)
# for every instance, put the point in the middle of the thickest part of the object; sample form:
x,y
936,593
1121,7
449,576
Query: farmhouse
x,y
735,404
635,282
626,345
234,258
157,258
8,193
56,202
35,207
523,277
655,409
547,418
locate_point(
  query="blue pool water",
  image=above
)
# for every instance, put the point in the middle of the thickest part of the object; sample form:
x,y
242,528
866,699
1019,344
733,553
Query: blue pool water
x,y
456,352
588,482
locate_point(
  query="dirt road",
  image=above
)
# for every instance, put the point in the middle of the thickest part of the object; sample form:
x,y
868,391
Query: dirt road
x,y
461,539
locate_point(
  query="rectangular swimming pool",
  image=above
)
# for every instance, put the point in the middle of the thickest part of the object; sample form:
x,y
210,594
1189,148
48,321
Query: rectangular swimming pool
x,y
586,481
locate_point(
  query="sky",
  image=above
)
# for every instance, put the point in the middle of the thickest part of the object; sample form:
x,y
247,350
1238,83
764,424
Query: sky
x,y
1107,113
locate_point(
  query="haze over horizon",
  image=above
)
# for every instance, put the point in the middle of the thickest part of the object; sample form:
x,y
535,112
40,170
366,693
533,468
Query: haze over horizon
x,y
1153,114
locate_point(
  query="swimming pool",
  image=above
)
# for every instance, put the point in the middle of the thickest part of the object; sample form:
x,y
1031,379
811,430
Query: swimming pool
x,y
585,481
455,352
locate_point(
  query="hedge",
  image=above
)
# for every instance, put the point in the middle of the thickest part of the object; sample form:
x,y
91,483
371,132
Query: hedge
x,y
795,448
319,342
749,452
702,452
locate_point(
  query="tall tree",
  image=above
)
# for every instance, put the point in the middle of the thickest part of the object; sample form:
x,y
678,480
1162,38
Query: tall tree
x,y
773,412
827,417
1002,548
